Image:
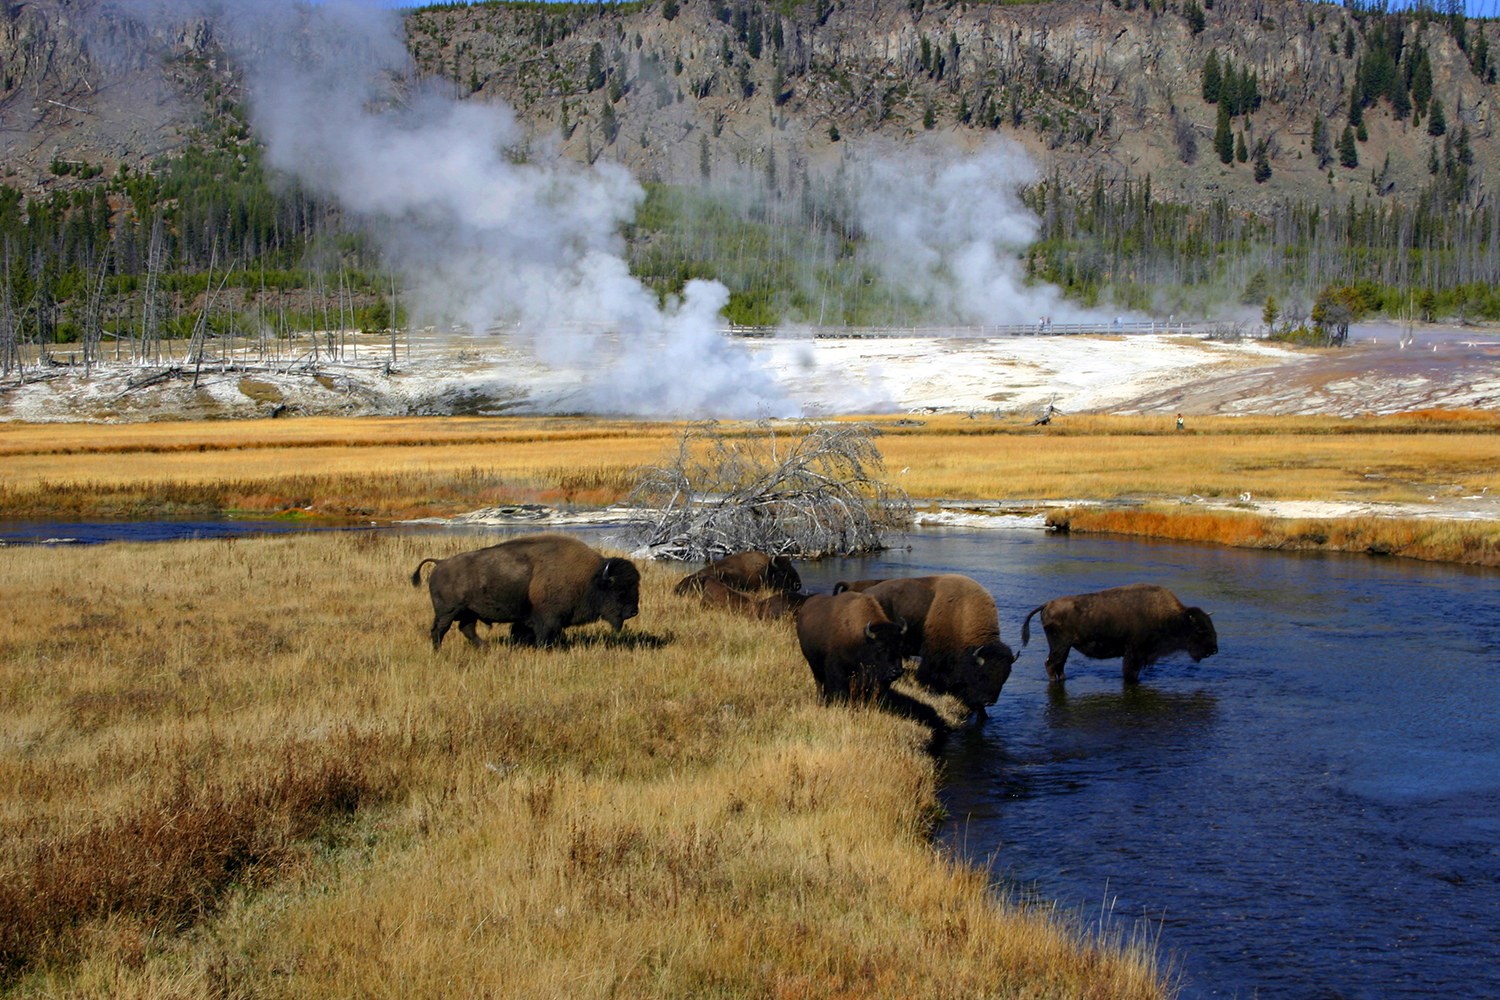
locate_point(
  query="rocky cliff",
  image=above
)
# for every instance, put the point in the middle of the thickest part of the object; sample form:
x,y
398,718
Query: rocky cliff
x,y
679,90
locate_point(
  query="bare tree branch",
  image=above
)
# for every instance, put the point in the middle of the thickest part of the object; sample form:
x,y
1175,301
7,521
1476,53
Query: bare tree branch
x,y
810,493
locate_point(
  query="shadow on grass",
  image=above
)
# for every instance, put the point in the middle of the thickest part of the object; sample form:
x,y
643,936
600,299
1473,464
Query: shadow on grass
x,y
628,639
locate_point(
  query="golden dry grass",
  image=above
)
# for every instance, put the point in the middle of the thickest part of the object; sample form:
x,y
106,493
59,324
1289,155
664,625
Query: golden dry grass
x,y
1473,542
412,466
250,752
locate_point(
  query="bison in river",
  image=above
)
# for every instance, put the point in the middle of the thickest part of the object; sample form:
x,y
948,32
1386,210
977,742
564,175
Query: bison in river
x,y
954,627
1141,622
540,584
716,595
748,571
852,646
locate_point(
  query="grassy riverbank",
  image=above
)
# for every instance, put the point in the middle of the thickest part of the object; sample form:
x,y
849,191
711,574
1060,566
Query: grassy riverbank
x,y
1475,543
402,467
236,768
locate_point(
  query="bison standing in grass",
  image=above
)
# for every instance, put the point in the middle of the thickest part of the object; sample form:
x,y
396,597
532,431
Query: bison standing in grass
x,y
1141,622
852,646
954,628
747,571
541,584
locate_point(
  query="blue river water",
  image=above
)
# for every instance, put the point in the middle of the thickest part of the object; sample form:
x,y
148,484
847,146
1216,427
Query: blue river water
x,y
1311,814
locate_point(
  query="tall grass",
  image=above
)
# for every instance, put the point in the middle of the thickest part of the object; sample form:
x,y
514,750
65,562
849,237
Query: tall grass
x,y
407,467
1472,542
237,768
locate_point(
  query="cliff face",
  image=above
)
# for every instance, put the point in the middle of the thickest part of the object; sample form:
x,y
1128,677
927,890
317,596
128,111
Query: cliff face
x,y
1090,87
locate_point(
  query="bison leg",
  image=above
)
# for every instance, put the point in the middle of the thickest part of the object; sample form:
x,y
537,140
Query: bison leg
x,y
440,625
1131,666
466,623
522,634
1057,657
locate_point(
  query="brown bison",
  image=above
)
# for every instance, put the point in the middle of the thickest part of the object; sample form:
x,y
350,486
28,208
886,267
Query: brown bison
x,y
955,629
716,595
1141,622
540,584
853,648
747,571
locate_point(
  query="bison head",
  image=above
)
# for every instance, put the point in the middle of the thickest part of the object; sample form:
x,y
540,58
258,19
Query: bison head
x,y
1202,639
985,670
881,659
781,575
617,591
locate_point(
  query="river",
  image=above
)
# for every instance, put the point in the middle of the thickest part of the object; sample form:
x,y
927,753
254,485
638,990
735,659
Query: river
x,y
1312,813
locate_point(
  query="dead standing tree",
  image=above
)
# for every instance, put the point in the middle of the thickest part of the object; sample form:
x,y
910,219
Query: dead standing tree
x,y
811,492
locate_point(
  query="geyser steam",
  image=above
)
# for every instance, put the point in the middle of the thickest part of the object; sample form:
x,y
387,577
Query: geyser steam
x,y
483,239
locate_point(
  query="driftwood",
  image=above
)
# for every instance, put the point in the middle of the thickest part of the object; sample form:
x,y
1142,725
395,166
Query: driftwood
x,y
809,492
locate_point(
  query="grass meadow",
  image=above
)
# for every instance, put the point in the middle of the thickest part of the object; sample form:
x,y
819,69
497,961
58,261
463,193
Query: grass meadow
x,y
403,467
236,768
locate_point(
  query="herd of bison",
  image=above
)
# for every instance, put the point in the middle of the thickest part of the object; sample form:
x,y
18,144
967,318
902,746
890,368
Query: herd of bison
x,y
855,639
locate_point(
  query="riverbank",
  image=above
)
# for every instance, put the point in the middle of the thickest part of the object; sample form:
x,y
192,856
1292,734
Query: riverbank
x,y
236,768
1424,484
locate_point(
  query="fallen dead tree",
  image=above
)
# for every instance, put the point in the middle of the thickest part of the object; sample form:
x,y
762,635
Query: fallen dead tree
x,y
809,491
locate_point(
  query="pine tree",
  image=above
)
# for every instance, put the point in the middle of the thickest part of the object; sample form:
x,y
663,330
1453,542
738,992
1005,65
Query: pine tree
x,y
1262,164
1348,151
595,78
1240,152
1356,108
1223,137
1213,77
1436,123
1320,145
1193,14
669,9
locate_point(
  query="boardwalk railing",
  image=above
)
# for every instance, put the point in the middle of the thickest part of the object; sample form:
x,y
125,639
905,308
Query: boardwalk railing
x,y
972,332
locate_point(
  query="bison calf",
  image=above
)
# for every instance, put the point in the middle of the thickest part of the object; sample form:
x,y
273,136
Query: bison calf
x,y
748,571
954,628
1141,622
541,584
853,648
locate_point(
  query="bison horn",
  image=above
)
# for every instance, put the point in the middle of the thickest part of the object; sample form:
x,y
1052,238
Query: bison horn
x,y
979,659
1209,613
903,625
870,631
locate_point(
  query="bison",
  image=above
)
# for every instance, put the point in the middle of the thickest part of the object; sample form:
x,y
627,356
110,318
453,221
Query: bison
x,y
748,571
716,595
852,646
1141,622
955,629
540,584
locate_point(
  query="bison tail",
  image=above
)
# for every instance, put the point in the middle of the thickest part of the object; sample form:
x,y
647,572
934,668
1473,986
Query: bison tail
x,y
840,587
416,574
1026,625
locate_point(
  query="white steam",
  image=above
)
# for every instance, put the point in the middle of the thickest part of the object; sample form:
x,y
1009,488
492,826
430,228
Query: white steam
x,y
534,246
947,229
482,239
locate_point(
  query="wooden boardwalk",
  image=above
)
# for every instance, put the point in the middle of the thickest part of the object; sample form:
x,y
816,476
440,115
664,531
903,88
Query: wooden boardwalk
x,y
971,332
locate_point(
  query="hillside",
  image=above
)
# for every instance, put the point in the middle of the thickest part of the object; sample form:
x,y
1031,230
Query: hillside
x,y
676,90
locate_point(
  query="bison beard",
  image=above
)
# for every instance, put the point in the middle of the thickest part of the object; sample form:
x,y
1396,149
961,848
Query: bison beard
x,y
1141,622
540,584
